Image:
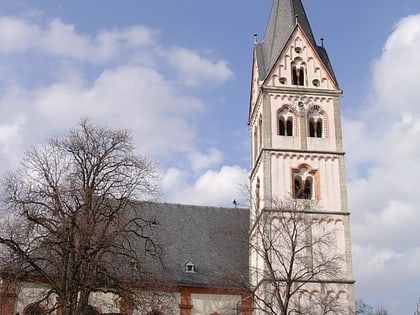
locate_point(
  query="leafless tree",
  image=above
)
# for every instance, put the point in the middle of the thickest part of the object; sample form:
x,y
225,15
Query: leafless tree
x,y
362,308
294,257
73,223
365,309
417,311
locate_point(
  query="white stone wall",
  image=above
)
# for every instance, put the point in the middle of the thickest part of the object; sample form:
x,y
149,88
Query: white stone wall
x,y
206,304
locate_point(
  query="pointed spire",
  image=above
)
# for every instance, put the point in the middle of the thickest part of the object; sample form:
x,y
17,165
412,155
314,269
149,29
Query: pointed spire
x,y
284,16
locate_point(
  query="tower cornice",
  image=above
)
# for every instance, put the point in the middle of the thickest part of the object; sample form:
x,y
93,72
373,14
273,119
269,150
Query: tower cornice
x,y
312,154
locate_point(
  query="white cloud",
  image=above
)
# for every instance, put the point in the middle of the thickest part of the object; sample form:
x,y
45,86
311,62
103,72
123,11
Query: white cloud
x,y
16,34
215,187
208,159
195,70
121,83
10,135
62,40
384,165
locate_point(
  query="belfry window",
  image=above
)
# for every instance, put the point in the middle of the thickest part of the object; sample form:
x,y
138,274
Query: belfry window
x,y
285,126
316,122
315,127
285,122
298,72
302,188
304,183
255,143
257,195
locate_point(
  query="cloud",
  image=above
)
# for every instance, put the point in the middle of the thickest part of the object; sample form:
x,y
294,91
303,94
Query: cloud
x,y
207,159
62,40
10,141
215,187
118,77
195,70
384,166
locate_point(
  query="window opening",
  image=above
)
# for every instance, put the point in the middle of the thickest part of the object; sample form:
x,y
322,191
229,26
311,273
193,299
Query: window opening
x,y
289,127
315,122
315,127
303,188
304,183
285,122
298,73
257,194
189,267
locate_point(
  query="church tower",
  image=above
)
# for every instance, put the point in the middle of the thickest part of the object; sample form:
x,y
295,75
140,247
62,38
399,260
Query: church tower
x,y
297,160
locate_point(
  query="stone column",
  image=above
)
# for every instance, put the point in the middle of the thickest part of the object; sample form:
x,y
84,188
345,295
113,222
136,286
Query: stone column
x,y
185,306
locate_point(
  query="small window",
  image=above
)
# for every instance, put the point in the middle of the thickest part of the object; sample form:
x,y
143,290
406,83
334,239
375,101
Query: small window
x,y
189,267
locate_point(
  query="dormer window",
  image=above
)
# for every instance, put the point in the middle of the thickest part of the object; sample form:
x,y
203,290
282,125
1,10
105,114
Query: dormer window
x,y
189,267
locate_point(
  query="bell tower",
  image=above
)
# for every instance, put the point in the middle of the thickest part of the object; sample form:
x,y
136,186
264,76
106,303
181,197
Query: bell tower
x,y
296,138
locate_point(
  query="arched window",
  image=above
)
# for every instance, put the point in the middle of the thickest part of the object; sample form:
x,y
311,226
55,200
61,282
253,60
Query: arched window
x,y
316,122
289,127
303,188
260,132
285,121
304,183
255,142
298,72
315,127
257,195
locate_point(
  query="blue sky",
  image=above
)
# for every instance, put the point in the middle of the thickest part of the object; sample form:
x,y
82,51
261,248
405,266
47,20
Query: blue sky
x,y
177,74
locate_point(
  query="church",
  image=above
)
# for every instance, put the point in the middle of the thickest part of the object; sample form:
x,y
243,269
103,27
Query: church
x,y
212,256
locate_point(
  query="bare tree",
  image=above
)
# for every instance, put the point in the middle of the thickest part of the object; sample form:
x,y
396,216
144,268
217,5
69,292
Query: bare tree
x,y
293,258
73,223
365,309
362,308
417,311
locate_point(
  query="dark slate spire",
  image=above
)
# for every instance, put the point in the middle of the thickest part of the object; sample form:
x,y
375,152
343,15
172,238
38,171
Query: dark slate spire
x,y
283,18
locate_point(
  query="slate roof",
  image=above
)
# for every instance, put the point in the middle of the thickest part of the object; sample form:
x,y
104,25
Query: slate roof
x,y
281,23
213,239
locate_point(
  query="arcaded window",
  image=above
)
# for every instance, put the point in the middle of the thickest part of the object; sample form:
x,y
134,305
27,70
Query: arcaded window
x,y
304,183
298,72
257,194
316,120
285,121
303,187
315,127
255,146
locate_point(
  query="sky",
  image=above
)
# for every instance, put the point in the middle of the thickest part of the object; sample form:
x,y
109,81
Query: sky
x,y
177,74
